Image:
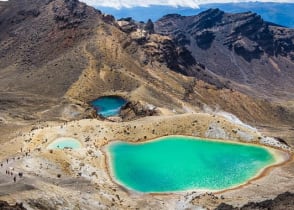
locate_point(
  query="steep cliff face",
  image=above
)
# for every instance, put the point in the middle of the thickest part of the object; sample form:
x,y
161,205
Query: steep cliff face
x,y
166,51
240,47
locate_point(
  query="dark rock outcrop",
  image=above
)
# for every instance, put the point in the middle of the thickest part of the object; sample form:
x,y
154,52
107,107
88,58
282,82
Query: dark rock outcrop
x,y
177,58
133,110
149,27
247,51
207,19
128,25
5,206
71,13
284,201
170,52
205,39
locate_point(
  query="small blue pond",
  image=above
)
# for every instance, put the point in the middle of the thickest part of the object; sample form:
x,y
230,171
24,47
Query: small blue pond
x,y
62,143
108,106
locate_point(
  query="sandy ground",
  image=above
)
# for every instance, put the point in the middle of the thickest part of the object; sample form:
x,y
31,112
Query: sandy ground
x,y
79,179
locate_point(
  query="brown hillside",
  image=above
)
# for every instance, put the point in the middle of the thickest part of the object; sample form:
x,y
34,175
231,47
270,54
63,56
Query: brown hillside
x,y
58,55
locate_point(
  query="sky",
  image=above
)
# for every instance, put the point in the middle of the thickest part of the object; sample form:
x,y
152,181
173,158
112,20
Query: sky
x,y
176,3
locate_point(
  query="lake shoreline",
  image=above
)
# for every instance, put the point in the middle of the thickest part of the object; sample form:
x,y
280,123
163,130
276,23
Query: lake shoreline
x,y
281,158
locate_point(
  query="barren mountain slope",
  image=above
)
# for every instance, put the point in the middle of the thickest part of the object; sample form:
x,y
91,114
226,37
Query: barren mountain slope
x,y
256,56
57,55
39,39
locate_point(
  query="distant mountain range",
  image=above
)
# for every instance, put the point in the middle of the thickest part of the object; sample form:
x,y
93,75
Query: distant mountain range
x,y
279,13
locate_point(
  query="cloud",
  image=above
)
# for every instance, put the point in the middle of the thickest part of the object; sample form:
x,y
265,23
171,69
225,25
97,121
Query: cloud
x,y
175,3
143,3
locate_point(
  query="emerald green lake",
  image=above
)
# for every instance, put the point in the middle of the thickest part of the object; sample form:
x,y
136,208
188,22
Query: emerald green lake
x,y
178,163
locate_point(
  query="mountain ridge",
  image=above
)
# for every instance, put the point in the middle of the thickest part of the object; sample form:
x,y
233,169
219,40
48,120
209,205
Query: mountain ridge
x,y
280,13
249,43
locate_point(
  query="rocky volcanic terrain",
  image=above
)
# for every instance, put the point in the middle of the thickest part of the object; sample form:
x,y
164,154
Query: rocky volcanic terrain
x,y
185,73
239,47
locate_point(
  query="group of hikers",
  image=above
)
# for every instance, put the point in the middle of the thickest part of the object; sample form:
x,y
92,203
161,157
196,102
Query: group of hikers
x,y
10,171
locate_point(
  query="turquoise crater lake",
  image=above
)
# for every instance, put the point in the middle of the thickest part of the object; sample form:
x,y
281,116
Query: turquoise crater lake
x,y
108,106
178,163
